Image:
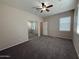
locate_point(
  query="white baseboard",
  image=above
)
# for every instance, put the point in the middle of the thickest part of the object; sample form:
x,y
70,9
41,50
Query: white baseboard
x,y
12,45
78,56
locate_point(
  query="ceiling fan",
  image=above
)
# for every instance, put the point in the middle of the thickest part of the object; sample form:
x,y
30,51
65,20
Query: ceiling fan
x,y
45,7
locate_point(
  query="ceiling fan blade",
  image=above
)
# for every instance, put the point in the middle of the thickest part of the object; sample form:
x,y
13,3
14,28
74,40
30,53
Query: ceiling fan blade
x,y
49,6
43,4
41,11
38,8
47,10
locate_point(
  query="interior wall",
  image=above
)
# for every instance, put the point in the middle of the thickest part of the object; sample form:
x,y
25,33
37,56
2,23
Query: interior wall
x,y
13,26
76,36
53,25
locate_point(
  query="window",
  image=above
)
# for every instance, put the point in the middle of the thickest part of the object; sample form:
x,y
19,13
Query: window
x,y
78,23
78,27
65,24
33,25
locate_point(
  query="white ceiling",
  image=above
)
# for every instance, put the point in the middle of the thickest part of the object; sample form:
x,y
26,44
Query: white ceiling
x,y
28,5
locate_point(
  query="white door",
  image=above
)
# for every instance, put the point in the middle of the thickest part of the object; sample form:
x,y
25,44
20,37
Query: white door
x,y
45,28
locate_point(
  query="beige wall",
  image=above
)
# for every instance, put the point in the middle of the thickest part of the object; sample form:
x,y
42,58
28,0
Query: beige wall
x,y
53,25
13,26
76,36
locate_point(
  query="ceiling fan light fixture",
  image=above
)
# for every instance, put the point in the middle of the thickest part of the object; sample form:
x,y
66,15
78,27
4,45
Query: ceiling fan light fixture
x,y
44,8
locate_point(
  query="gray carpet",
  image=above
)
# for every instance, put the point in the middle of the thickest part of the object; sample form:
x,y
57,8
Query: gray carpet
x,y
42,48
32,35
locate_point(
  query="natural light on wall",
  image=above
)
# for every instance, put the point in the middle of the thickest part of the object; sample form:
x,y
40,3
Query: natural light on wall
x,y
65,24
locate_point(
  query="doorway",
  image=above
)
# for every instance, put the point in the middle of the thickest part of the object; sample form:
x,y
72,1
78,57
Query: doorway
x,y
32,29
